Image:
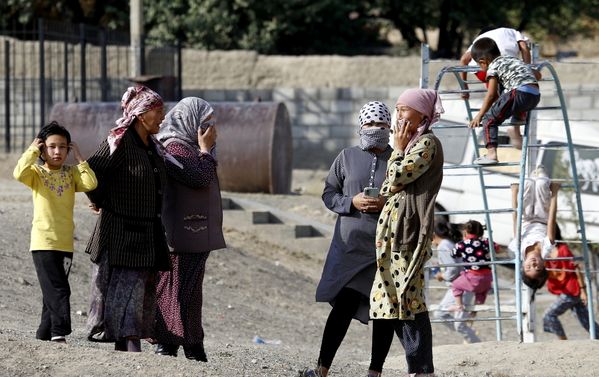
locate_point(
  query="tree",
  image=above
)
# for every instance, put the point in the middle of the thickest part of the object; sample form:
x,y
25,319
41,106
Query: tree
x,y
110,14
459,20
316,26
287,27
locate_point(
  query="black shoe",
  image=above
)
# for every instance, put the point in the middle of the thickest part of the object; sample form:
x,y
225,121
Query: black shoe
x,y
120,345
166,350
195,352
42,334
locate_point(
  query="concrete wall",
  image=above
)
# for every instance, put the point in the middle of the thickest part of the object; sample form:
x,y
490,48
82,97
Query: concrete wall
x,y
324,120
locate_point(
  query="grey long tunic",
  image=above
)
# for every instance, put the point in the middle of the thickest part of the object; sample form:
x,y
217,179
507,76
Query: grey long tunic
x,y
351,259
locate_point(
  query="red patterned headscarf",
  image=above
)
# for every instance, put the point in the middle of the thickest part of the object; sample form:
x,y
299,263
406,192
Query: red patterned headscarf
x,y
136,101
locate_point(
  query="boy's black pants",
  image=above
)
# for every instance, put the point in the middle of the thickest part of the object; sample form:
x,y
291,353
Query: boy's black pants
x,y
53,269
514,102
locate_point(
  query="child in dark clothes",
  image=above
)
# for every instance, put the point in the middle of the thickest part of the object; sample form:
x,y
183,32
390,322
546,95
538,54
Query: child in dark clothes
x,y
521,95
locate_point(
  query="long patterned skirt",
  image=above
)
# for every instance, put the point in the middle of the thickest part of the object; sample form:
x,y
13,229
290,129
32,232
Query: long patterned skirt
x,y
123,302
179,317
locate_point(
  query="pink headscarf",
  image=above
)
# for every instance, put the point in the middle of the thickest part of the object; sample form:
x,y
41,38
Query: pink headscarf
x,y
426,102
136,101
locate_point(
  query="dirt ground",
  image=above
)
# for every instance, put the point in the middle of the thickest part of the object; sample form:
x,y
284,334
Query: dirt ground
x,y
262,285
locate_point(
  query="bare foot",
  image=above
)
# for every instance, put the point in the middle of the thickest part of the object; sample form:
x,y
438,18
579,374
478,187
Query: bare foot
x,y
515,137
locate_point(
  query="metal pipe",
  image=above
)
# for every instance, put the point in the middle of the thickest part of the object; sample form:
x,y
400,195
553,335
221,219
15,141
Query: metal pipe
x,y
82,63
103,67
179,70
583,236
42,60
7,96
65,79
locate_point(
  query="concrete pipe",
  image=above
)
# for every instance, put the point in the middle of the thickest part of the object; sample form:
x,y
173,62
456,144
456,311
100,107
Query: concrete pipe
x,y
254,145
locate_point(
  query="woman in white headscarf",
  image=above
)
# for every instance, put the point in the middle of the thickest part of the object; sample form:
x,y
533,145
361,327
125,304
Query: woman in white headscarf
x,y
192,218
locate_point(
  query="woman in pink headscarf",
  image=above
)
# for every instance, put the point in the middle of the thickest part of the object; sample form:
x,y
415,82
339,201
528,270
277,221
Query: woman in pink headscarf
x,y
404,233
128,245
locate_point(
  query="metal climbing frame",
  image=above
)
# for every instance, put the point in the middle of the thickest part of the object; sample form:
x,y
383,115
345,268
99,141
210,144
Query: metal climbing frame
x,y
523,309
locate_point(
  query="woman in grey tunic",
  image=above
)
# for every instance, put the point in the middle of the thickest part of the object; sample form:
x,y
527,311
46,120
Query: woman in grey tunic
x,y
350,265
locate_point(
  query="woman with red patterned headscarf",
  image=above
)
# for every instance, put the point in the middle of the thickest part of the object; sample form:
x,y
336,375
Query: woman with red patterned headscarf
x,y
128,245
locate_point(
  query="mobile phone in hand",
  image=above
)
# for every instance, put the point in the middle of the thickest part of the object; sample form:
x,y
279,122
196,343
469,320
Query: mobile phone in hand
x,y
372,192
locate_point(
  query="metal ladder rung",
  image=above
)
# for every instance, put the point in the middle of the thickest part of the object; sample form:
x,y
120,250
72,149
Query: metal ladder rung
x,y
476,319
448,126
475,211
479,308
481,166
497,187
498,146
565,258
461,91
560,147
465,264
476,109
461,68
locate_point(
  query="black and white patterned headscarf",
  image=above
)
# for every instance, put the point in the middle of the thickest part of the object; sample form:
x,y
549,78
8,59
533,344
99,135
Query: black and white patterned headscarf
x,y
374,137
374,111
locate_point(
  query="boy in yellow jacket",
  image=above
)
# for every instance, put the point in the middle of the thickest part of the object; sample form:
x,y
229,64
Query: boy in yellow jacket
x,y
53,185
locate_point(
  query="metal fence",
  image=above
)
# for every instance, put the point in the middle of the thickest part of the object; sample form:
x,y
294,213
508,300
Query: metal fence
x,y
58,62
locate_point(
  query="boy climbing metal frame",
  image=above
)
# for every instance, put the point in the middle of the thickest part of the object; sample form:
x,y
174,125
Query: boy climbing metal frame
x,y
525,333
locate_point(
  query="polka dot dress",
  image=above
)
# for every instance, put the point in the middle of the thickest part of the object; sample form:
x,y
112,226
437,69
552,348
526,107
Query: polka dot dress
x,y
398,289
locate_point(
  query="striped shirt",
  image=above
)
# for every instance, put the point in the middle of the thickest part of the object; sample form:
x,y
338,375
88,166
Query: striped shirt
x,y
130,185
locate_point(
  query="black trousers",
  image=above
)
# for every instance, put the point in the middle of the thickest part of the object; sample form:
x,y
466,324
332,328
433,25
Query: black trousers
x,y
53,269
415,336
514,102
344,308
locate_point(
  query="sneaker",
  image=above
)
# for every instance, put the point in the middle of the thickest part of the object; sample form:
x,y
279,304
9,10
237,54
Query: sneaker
x,y
484,160
58,339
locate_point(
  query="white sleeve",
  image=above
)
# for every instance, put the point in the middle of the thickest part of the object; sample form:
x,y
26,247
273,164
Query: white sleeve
x,y
546,248
519,36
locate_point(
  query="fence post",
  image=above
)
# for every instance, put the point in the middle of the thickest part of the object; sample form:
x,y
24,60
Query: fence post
x,y
42,58
65,80
103,67
142,55
7,96
179,70
82,63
